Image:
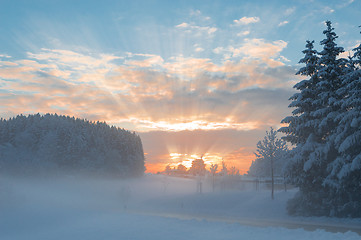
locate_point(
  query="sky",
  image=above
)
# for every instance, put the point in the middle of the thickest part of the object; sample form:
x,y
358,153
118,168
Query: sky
x,y
192,78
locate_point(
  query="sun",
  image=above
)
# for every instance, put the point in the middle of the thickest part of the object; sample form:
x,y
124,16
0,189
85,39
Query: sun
x,y
187,159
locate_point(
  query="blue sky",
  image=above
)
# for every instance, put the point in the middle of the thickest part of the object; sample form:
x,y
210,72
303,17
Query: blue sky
x,y
170,70
148,26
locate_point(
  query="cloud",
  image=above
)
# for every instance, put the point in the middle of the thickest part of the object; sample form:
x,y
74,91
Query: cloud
x,y
72,58
290,11
259,48
255,48
243,33
4,56
344,3
148,93
218,50
246,20
284,59
192,125
211,30
192,28
150,60
183,25
195,12
7,63
198,15
328,10
282,23
189,67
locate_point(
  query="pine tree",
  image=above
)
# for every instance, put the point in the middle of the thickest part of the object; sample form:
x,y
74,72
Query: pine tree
x,y
345,178
330,71
313,125
301,131
299,127
303,125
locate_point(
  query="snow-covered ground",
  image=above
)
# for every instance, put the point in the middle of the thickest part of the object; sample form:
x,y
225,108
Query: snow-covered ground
x,y
154,207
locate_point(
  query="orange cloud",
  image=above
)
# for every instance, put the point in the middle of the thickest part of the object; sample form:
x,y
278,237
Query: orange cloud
x,y
150,98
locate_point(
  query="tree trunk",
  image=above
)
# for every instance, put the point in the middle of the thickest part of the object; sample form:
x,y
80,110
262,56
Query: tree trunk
x,y
284,182
273,181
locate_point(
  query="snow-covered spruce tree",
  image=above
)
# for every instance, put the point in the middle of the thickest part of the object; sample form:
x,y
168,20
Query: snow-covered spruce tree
x,y
299,127
330,72
269,155
301,132
312,126
345,170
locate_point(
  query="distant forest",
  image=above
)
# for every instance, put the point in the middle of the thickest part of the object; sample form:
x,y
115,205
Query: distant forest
x,y
49,143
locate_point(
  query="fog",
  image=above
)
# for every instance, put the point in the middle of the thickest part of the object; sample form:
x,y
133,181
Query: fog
x,y
87,193
33,208
67,196
83,207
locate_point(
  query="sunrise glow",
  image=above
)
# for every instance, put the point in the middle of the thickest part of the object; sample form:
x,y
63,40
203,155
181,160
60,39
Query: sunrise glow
x,y
186,160
191,81
231,159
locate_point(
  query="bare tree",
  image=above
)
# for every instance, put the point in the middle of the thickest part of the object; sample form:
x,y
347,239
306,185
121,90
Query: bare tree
x,y
269,149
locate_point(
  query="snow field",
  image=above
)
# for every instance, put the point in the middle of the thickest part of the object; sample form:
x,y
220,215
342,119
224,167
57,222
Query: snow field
x,y
74,208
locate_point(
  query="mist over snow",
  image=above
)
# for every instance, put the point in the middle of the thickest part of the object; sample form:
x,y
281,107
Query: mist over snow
x,y
151,207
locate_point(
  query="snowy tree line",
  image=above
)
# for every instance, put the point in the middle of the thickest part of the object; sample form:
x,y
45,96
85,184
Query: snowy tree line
x,y
40,143
215,178
325,129
198,168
